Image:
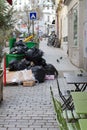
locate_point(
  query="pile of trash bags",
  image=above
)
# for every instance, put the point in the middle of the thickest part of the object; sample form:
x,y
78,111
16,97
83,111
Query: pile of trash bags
x,y
33,59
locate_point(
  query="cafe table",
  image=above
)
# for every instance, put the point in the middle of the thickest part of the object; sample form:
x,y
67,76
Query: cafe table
x,y
80,102
79,95
83,124
80,82
65,74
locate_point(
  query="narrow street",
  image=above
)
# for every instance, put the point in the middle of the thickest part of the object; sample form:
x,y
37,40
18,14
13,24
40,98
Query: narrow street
x,y
31,108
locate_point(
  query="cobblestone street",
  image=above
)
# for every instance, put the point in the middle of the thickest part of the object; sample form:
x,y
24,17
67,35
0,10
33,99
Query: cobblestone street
x,y
31,108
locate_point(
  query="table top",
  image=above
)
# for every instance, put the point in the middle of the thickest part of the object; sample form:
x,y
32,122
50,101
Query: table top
x,y
66,74
76,80
80,106
79,95
80,102
83,124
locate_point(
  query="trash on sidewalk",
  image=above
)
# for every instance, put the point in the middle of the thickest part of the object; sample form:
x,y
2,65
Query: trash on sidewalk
x,y
19,76
28,83
49,77
21,69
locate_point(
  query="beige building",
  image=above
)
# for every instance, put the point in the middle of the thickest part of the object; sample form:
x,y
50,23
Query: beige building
x,y
62,24
77,32
71,27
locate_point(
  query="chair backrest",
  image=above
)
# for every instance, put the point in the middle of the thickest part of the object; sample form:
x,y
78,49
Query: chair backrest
x,y
60,93
60,118
59,113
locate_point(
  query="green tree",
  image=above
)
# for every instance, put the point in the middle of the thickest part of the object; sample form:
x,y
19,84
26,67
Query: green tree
x,y
6,22
6,15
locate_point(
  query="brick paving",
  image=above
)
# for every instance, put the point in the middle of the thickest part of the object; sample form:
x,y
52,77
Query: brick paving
x,y
28,108
31,108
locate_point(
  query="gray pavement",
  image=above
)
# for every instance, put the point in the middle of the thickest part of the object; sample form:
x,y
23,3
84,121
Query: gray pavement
x,y
31,108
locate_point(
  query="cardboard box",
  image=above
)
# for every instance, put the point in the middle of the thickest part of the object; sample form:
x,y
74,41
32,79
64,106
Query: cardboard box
x,y
19,76
29,83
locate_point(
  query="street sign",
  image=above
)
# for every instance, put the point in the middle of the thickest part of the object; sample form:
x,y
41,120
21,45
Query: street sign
x,y
33,15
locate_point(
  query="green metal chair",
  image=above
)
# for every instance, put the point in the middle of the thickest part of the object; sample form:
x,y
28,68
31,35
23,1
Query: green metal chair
x,y
62,123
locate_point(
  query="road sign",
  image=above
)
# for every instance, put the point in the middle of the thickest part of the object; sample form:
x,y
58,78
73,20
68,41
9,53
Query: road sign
x,y
33,15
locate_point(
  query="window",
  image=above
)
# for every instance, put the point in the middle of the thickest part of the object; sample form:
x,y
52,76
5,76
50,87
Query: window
x,y
65,39
75,26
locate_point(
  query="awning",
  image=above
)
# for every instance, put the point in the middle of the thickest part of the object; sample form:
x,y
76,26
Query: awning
x,y
9,1
53,22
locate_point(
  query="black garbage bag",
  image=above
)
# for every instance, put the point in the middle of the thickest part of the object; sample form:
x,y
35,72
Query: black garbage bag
x,y
13,65
51,70
19,43
23,64
40,62
18,50
34,54
13,50
25,48
29,67
39,73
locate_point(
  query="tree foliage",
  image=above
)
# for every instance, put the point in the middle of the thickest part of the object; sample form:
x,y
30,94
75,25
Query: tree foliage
x,y
6,15
6,23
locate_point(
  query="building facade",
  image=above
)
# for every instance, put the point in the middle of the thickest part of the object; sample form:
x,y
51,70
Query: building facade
x,y
71,27
62,24
77,33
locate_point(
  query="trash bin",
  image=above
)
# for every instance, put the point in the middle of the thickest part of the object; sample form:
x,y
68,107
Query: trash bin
x,y
10,57
31,44
11,42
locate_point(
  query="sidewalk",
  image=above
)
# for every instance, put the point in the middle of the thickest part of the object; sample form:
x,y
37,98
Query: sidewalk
x,y
31,108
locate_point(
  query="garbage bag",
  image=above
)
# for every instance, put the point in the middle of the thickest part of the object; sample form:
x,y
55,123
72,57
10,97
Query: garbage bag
x,y
50,70
12,50
18,50
13,65
40,62
23,64
19,43
33,54
39,73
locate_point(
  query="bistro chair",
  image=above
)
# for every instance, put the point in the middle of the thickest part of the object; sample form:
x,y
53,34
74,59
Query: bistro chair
x,y
62,122
67,101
